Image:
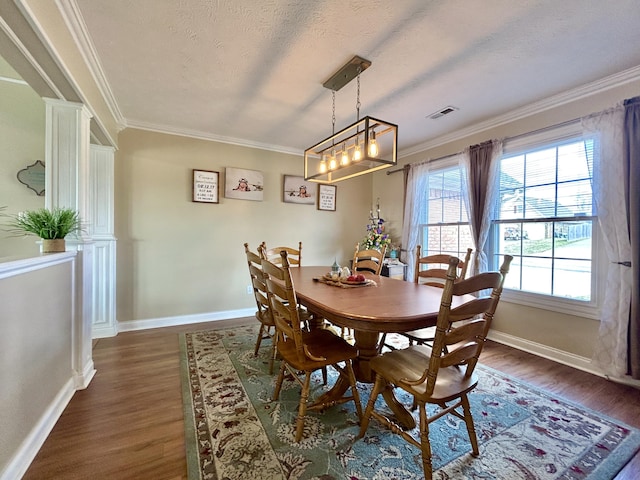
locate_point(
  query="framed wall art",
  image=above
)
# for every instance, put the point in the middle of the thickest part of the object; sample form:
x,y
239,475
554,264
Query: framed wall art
x,y
296,190
205,186
243,184
327,197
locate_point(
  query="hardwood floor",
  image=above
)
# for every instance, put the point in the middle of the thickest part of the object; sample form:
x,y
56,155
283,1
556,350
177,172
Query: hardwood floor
x,y
129,424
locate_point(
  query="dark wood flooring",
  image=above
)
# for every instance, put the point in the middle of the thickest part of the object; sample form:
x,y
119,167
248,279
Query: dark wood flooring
x,y
129,424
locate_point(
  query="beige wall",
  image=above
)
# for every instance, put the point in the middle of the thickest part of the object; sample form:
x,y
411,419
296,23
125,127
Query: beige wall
x,y
22,119
177,257
36,346
567,333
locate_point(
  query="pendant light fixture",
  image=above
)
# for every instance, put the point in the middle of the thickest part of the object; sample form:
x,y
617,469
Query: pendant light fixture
x,y
366,146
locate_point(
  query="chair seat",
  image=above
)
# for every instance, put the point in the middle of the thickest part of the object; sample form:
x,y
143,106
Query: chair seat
x,y
422,335
265,317
409,363
320,343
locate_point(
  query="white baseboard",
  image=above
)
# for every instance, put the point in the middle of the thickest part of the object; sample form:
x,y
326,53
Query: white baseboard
x,y
184,319
18,465
560,356
82,380
104,331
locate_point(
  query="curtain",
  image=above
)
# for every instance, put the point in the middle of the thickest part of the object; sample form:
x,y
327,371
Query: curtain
x,y
631,155
610,353
481,163
415,212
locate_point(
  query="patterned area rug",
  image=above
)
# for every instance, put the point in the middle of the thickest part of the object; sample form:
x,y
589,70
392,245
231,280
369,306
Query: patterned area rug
x,y
235,431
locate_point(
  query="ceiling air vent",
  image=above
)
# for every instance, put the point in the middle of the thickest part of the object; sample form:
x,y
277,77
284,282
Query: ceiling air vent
x,y
442,112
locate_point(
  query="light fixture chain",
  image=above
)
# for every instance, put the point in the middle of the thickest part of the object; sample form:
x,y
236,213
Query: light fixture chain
x,y
333,116
358,96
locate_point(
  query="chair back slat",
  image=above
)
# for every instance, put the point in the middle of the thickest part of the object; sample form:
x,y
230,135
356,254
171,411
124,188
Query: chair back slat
x,y
294,256
432,269
259,287
369,260
283,303
461,344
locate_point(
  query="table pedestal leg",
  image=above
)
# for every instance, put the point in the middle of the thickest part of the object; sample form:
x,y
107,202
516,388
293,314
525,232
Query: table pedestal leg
x,y
367,343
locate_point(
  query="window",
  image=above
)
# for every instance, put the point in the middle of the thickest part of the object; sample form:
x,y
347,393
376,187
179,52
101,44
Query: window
x,y
545,219
446,227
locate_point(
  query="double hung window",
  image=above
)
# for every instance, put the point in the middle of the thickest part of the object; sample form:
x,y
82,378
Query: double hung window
x,y
545,218
446,227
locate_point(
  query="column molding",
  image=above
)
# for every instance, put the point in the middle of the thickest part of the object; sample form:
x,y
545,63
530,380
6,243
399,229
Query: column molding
x,y
67,176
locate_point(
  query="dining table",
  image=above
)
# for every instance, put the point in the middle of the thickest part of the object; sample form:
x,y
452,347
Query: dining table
x,y
381,305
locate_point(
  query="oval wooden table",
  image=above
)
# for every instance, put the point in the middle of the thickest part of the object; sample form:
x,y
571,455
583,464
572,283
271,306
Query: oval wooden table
x,y
388,306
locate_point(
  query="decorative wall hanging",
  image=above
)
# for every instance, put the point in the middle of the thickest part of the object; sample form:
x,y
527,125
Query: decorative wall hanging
x,y
243,184
327,197
296,190
33,177
205,186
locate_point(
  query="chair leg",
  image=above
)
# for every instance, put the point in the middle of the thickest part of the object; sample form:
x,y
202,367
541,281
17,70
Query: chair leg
x,y
302,409
260,334
354,389
276,391
274,352
377,388
468,419
425,444
324,375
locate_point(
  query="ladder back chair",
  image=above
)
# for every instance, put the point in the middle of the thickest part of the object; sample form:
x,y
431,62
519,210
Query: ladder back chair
x,y
435,272
273,254
434,275
368,260
263,313
304,352
442,375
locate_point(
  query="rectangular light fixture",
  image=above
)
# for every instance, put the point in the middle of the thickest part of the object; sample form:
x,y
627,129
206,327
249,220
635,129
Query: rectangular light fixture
x,y
365,146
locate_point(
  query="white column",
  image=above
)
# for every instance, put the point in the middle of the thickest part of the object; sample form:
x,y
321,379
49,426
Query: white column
x,y
102,233
67,141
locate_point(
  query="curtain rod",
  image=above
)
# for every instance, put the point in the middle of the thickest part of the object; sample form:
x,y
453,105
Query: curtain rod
x,y
515,137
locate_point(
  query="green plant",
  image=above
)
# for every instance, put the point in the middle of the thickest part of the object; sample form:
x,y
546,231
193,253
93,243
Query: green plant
x,y
46,224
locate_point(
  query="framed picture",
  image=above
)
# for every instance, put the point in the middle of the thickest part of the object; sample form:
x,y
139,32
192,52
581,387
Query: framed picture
x,y
205,186
296,190
243,184
327,197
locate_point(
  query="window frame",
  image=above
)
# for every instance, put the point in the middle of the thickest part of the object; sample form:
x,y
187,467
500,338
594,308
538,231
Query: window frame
x,y
438,166
547,138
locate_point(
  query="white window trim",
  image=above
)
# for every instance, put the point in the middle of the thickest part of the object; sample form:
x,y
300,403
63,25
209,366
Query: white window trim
x,y
590,310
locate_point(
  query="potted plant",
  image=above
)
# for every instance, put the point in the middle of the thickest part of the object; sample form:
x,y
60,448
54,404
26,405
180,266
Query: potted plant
x,y
52,226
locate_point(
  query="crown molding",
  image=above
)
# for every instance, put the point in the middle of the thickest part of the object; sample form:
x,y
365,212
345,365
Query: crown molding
x,y
212,137
598,86
77,27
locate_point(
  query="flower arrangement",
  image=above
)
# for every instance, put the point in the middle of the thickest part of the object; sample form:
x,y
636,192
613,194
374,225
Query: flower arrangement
x,y
376,239
46,224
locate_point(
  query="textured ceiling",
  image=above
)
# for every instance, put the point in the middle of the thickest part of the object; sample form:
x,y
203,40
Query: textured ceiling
x,y
251,71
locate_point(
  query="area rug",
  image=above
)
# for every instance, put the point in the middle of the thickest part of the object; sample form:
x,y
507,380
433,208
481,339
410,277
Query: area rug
x,y
235,431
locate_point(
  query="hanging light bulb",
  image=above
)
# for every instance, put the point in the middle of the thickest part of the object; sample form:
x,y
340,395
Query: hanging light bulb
x,y
323,164
332,160
344,160
373,145
357,152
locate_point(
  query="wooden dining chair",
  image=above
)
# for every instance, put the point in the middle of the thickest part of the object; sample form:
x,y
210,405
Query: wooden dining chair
x,y
263,313
304,352
443,374
369,260
430,270
273,254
